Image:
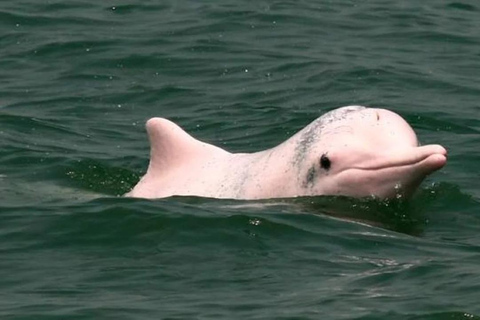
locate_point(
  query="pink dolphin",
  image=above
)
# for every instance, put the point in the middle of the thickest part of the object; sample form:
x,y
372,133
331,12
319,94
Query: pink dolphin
x,y
351,151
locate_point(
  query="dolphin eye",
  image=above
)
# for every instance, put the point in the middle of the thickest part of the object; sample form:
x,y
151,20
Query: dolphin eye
x,y
325,162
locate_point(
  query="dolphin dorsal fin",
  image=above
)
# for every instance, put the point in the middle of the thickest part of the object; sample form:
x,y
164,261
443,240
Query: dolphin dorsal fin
x,y
171,146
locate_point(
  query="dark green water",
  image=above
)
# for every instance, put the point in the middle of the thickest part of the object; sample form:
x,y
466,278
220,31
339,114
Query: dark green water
x,y
78,79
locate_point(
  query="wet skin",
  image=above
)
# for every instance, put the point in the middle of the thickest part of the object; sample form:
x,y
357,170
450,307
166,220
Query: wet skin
x,y
352,151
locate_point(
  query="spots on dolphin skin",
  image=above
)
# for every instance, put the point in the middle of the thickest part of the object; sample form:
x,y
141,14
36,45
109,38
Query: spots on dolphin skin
x,y
239,186
339,114
236,177
312,133
308,138
310,178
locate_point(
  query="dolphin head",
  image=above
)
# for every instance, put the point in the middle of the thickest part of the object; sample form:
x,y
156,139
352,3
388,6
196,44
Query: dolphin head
x,y
368,152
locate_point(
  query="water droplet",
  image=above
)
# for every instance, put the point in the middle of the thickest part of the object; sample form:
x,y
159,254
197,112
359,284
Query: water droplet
x,y
254,222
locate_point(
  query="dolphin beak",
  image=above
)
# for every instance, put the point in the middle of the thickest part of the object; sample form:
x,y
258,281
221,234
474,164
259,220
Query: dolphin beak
x,y
398,173
427,160
435,158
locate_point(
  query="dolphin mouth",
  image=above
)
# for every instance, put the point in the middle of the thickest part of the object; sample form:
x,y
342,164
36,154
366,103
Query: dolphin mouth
x,y
393,177
435,156
398,176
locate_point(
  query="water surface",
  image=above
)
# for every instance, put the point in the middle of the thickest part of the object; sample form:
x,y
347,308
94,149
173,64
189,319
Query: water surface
x,y
78,81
